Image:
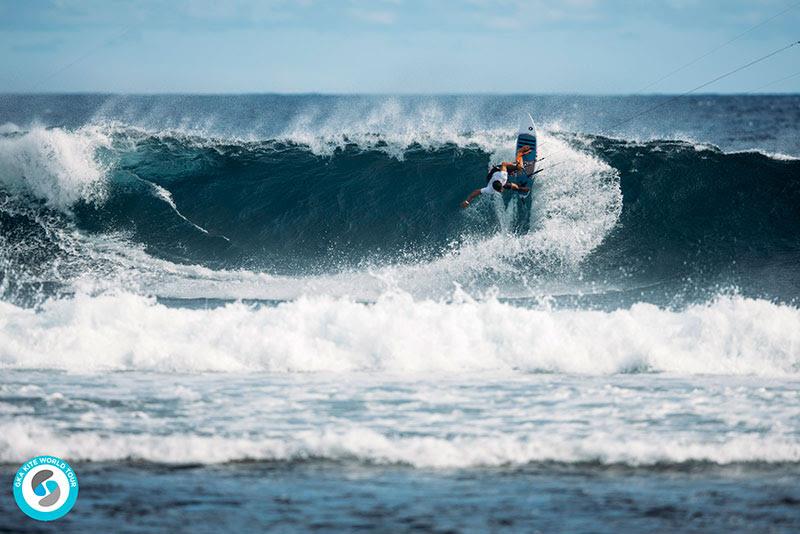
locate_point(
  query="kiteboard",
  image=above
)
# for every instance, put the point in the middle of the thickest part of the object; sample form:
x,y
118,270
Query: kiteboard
x,y
527,137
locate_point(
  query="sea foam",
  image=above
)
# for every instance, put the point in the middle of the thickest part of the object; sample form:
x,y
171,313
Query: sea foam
x,y
397,334
20,440
57,166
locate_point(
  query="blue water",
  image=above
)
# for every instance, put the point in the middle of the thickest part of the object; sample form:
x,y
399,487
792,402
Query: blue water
x,y
270,312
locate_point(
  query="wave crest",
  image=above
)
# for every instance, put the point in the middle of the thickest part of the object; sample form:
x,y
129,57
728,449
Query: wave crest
x,y
54,165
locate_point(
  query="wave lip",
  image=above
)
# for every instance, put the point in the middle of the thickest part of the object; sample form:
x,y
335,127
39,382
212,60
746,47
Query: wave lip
x,y
728,336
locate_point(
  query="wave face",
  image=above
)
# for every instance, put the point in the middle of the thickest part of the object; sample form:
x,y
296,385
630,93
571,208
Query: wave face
x,y
691,209
277,206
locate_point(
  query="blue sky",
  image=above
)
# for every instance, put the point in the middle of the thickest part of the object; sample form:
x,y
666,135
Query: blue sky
x,y
391,46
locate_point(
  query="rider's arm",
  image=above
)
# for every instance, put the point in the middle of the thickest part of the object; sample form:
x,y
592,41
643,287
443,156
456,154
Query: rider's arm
x,y
470,198
515,187
519,163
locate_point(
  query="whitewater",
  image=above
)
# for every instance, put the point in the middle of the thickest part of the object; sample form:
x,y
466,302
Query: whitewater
x,y
270,287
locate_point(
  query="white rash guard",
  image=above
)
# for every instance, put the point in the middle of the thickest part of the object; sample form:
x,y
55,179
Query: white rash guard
x,y
500,176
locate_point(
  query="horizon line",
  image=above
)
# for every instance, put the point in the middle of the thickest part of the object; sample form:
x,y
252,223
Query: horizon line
x,y
398,94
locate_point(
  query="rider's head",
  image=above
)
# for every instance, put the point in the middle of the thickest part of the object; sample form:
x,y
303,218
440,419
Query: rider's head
x,y
497,186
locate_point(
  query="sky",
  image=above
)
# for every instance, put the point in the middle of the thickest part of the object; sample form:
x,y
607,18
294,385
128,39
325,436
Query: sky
x,y
395,46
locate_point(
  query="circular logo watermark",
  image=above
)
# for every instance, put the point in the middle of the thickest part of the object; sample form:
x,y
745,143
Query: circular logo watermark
x,y
45,488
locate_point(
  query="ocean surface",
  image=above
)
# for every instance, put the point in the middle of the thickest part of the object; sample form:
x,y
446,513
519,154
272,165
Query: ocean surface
x,y
269,312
